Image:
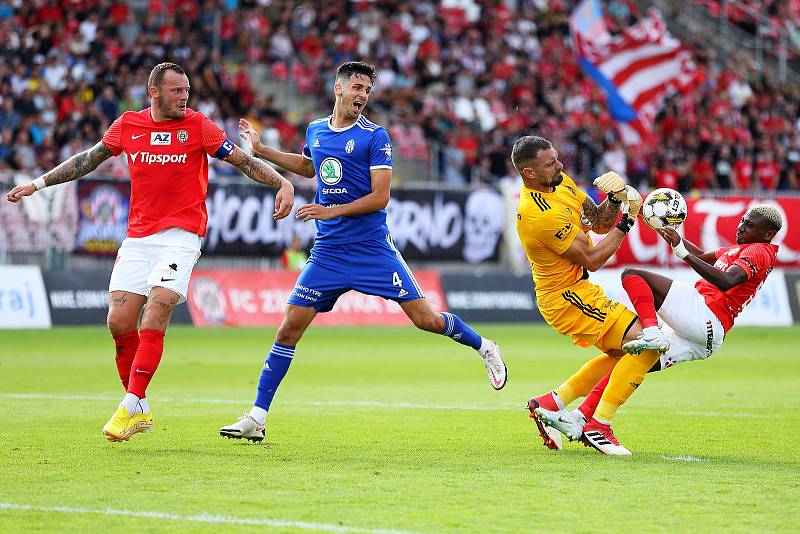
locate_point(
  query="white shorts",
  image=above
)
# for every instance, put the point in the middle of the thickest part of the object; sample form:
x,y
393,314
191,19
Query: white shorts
x,y
164,259
694,332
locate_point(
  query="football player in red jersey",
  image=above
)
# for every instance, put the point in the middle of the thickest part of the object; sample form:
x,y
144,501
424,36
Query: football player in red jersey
x,y
167,146
695,319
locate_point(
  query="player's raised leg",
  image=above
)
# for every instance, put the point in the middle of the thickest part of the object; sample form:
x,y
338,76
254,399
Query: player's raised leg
x,y
451,325
251,426
646,294
126,421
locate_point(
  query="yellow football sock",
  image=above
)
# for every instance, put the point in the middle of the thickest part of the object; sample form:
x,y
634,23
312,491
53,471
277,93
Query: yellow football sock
x,y
626,377
582,382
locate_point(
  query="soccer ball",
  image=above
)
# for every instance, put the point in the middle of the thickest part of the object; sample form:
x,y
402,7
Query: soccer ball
x,y
664,207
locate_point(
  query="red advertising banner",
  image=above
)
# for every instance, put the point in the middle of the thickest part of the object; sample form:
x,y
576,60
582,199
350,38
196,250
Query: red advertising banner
x,y
712,224
258,298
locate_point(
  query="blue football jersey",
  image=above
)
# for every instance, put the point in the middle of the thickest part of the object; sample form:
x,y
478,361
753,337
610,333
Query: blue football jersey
x,y
343,158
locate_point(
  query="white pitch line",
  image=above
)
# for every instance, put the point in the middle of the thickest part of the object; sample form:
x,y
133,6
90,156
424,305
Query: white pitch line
x,y
201,518
684,458
331,403
633,410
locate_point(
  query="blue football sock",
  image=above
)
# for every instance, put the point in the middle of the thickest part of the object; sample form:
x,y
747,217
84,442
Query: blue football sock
x,y
457,329
275,367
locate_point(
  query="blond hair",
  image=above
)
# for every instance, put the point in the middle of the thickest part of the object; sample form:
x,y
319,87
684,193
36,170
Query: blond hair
x,y
770,213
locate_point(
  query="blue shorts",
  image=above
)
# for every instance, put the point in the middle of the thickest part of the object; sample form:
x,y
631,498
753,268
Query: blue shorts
x,y
372,267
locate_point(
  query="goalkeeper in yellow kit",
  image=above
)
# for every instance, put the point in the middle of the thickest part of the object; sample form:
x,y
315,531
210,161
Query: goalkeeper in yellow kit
x,y
553,221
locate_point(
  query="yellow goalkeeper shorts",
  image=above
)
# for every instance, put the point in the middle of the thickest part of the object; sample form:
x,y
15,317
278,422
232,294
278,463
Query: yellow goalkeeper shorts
x,y
585,313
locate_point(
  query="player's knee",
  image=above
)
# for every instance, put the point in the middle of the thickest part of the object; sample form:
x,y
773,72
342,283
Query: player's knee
x,y
119,325
630,272
288,334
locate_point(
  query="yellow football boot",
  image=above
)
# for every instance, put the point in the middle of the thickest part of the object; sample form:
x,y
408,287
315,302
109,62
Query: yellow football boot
x,y
142,421
119,426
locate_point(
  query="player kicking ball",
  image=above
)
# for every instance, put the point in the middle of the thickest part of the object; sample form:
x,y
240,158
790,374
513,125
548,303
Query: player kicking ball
x,y
695,319
352,160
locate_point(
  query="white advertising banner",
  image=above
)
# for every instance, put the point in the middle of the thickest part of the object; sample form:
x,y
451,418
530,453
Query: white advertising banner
x,y
23,301
770,307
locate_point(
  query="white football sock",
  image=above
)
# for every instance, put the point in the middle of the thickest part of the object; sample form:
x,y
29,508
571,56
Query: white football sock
x,y
130,402
142,405
259,414
651,331
485,346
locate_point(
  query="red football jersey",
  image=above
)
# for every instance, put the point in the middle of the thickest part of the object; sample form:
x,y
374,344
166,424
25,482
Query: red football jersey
x,y
757,260
168,168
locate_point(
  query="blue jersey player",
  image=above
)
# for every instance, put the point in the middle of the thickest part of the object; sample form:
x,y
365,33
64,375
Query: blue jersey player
x,y
352,160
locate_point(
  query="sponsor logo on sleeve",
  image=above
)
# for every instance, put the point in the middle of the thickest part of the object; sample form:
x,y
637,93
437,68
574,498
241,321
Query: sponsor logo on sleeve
x,y
387,149
564,232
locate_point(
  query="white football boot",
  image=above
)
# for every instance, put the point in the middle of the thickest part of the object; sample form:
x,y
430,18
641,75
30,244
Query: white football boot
x,y
495,367
569,423
245,428
651,338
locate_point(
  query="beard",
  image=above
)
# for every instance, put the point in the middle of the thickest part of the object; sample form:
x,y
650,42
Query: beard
x,y
170,113
557,179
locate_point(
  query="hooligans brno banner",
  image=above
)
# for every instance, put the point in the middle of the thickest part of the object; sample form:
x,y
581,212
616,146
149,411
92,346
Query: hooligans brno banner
x,y
425,224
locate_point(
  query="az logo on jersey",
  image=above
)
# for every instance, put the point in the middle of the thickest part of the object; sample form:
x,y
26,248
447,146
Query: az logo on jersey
x,y
330,171
160,138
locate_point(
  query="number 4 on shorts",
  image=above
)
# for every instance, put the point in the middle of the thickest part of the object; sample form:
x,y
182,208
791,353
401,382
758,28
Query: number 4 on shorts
x,y
396,280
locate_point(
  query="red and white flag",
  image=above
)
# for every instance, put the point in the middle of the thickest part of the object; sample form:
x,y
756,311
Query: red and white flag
x,y
636,68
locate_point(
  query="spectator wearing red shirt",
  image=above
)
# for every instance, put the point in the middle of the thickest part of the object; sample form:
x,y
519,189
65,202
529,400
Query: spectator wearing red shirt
x,y
702,173
743,172
767,171
667,175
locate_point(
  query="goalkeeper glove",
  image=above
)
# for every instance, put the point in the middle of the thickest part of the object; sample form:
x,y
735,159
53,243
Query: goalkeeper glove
x,y
610,182
633,200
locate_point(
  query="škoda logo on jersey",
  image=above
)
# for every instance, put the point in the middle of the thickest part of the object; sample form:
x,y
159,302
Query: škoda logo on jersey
x,y
147,158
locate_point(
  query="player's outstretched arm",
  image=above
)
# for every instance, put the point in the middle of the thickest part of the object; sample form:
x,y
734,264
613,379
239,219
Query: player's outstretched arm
x,y
295,163
262,173
724,280
78,165
673,238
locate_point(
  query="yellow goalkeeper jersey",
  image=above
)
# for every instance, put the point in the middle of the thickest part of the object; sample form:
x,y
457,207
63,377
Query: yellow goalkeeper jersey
x,y
547,224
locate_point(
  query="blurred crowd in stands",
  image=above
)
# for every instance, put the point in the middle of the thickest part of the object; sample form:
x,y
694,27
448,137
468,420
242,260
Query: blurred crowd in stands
x,y
458,82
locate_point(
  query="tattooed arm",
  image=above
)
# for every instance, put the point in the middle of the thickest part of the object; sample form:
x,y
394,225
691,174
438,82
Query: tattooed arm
x,y
78,165
603,217
262,173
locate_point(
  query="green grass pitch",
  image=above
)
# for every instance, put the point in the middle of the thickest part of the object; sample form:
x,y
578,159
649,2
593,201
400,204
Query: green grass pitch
x,y
392,430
